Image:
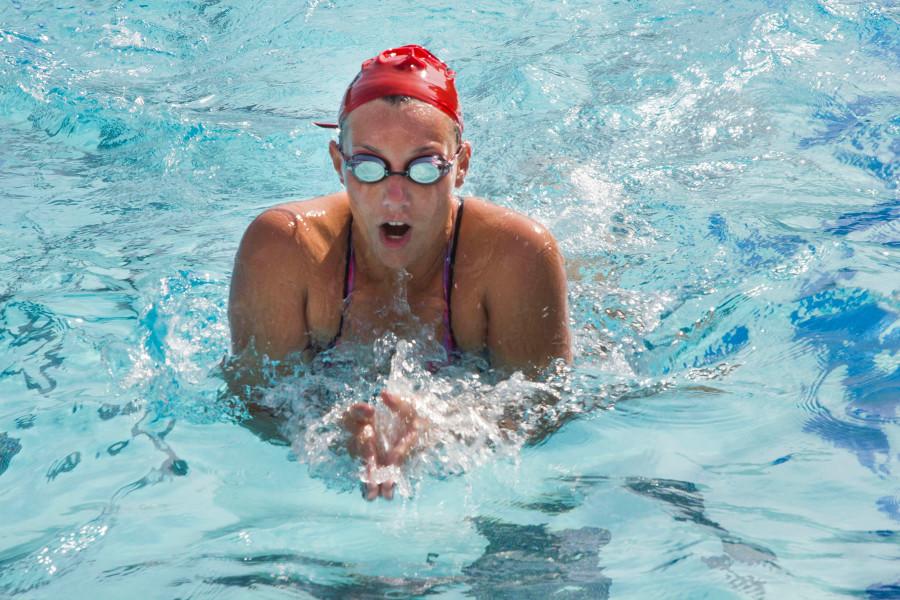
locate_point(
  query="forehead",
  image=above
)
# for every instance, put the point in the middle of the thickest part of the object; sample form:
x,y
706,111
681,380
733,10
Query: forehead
x,y
413,121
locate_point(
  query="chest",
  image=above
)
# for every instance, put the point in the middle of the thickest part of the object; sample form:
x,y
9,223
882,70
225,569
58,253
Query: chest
x,y
368,312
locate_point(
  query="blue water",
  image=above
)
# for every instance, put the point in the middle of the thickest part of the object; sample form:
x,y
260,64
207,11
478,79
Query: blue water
x,y
723,181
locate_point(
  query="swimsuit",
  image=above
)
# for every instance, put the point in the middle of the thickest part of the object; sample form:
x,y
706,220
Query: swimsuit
x,y
449,341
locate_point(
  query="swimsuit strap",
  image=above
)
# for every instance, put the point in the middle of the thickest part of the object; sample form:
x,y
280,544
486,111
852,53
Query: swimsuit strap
x,y
349,278
449,262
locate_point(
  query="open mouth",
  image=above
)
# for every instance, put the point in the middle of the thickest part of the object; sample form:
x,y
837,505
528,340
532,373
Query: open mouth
x,y
394,230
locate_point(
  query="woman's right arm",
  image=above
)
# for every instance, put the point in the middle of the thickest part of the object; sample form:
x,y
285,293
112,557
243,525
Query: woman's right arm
x,y
266,306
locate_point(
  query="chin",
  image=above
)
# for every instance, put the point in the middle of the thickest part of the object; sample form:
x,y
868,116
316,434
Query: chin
x,y
396,263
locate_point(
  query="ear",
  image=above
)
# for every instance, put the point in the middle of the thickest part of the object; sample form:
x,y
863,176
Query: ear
x,y
336,160
462,163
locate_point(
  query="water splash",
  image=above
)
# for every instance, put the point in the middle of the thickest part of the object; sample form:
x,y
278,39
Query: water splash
x,y
471,415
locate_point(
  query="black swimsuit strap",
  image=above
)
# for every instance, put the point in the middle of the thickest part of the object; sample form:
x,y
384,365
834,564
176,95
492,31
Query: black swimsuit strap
x,y
451,262
346,293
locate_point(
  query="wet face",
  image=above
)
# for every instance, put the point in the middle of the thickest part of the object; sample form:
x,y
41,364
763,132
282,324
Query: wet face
x,y
402,222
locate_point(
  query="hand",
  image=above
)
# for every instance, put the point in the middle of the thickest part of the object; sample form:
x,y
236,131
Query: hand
x,y
381,444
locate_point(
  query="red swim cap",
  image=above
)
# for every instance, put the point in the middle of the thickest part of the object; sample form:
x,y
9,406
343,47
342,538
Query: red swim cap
x,y
405,71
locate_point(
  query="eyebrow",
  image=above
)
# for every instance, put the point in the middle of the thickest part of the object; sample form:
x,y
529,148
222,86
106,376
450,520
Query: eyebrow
x,y
416,151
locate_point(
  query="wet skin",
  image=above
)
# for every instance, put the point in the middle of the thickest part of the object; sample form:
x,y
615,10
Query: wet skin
x,y
509,293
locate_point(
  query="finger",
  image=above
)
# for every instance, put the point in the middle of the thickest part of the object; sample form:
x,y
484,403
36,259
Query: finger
x,y
357,416
387,490
399,451
393,401
372,490
398,405
362,443
361,412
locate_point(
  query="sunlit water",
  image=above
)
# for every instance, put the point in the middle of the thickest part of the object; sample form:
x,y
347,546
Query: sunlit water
x,y
723,183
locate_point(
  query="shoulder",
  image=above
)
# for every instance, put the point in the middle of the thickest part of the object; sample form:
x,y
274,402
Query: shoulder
x,y
508,257
279,259
295,231
508,237
516,264
289,247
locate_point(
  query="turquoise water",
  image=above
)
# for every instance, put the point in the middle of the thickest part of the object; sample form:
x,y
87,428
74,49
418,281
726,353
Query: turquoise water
x,y
723,183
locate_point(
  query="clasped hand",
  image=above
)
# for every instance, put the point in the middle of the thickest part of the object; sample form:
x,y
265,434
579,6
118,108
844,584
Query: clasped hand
x,y
379,444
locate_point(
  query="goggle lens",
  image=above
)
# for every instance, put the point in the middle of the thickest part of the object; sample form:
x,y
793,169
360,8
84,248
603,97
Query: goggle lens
x,y
368,170
424,170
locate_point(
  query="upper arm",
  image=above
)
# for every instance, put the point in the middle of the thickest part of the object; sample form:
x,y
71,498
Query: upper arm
x,y
528,317
267,300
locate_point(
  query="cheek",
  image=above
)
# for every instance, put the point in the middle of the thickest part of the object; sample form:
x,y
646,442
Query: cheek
x,y
361,195
361,205
434,212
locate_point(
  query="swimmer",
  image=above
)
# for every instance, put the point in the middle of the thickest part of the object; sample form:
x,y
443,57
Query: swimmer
x,y
312,274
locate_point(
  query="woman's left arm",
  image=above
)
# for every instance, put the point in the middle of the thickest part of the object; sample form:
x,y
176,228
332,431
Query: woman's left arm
x,y
528,316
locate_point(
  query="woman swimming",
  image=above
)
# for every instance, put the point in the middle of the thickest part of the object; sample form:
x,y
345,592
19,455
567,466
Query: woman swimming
x,y
486,278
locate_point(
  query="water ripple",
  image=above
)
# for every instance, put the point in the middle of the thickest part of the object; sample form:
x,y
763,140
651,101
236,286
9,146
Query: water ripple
x,y
722,180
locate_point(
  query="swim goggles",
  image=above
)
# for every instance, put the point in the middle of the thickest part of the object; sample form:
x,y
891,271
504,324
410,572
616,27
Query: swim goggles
x,y
423,170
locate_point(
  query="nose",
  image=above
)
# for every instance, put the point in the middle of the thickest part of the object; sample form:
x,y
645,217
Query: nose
x,y
396,193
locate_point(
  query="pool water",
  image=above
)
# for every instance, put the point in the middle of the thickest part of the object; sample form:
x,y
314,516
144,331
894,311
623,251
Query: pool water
x,y
723,181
